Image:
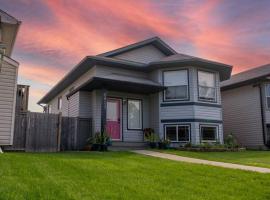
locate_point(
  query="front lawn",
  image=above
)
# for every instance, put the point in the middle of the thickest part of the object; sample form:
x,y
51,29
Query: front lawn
x,y
253,158
122,175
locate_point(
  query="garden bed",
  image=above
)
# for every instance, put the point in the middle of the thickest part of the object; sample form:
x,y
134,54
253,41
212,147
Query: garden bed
x,y
213,149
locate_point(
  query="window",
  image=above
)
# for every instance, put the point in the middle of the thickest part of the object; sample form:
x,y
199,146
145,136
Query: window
x,y
207,86
208,133
59,103
267,94
177,133
134,114
177,85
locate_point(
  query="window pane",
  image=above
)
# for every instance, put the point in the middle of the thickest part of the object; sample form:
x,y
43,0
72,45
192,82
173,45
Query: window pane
x,y
175,78
171,133
176,92
134,114
206,79
183,133
112,114
208,133
207,92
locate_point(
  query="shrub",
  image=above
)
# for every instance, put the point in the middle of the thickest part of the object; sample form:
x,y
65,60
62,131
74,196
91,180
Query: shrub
x,y
230,141
188,145
149,135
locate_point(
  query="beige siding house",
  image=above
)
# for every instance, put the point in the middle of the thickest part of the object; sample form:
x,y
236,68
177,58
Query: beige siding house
x,y
145,85
8,77
246,107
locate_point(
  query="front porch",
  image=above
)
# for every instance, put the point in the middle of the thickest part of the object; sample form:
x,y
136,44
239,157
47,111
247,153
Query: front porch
x,y
122,108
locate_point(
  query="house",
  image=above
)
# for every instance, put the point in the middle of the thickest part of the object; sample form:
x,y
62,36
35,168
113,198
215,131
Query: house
x,y
246,107
144,85
8,77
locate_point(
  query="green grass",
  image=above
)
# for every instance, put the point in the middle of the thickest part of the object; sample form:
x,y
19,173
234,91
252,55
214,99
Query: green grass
x,y
253,158
122,175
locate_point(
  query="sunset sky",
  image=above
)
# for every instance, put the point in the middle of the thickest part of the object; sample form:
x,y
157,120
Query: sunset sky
x,y
56,34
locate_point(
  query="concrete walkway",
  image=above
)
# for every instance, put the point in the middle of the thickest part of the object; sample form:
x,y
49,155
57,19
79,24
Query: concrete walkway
x,y
200,161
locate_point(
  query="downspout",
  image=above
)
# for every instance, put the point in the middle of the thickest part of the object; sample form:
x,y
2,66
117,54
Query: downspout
x,y
262,117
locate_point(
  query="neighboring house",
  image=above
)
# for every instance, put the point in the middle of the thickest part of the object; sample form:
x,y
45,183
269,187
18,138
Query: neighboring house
x,y
145,85
8,77
246,107
22,99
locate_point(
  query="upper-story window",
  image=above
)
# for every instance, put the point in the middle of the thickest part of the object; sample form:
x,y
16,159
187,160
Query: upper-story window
x,y
207,86
267,94
59,103
177,85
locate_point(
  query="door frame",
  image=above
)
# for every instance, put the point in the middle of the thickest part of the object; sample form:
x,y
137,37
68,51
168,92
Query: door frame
x,y
121,116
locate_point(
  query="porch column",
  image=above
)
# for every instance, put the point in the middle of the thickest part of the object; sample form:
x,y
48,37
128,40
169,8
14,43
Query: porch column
x,y
103,110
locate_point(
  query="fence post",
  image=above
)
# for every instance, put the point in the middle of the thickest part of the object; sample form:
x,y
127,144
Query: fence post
x,y
59,131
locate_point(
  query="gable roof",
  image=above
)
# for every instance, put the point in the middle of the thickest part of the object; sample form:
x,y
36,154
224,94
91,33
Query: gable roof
x,y
10,27
174,58
247,77
155,41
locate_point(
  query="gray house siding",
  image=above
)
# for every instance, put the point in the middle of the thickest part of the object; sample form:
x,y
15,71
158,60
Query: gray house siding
x,y
265,107
73,105
242,115
8,88
65,102
144,54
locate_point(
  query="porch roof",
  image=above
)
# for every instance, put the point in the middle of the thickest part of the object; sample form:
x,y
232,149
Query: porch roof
x,y
120,83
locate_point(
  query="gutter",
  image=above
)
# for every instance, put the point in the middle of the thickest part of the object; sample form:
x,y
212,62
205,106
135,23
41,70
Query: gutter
x,y
263,118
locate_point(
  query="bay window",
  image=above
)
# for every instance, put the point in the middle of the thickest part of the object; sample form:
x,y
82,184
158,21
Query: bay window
x,y
177,133
208,133
134,114
207,86
177,85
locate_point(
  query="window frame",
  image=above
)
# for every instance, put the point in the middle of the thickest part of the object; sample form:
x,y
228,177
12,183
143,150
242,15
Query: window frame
x,y
141,111
59,105
198,86
266,95
178,125
212,126
163,81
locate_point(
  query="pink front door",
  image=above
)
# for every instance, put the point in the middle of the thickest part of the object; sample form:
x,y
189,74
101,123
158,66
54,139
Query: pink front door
x,y
113,118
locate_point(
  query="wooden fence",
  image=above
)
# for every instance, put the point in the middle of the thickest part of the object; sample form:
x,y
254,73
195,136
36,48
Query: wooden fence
x,y
42,132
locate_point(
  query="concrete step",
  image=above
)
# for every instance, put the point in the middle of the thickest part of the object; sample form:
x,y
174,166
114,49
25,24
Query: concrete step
x,y
127,146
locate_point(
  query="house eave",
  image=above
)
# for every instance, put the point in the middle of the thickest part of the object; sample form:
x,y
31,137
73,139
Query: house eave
x,y
117,85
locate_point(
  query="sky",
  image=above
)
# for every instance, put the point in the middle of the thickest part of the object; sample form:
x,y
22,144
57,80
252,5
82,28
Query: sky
x,y
56,34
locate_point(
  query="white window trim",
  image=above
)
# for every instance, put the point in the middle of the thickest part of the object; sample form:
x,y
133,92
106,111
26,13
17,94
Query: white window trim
x,y
141,114
177,125
59,107
164,92
212,126
215,88
266,97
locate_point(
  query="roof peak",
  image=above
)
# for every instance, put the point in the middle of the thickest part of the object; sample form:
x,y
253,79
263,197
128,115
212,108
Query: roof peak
x,y
156,41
